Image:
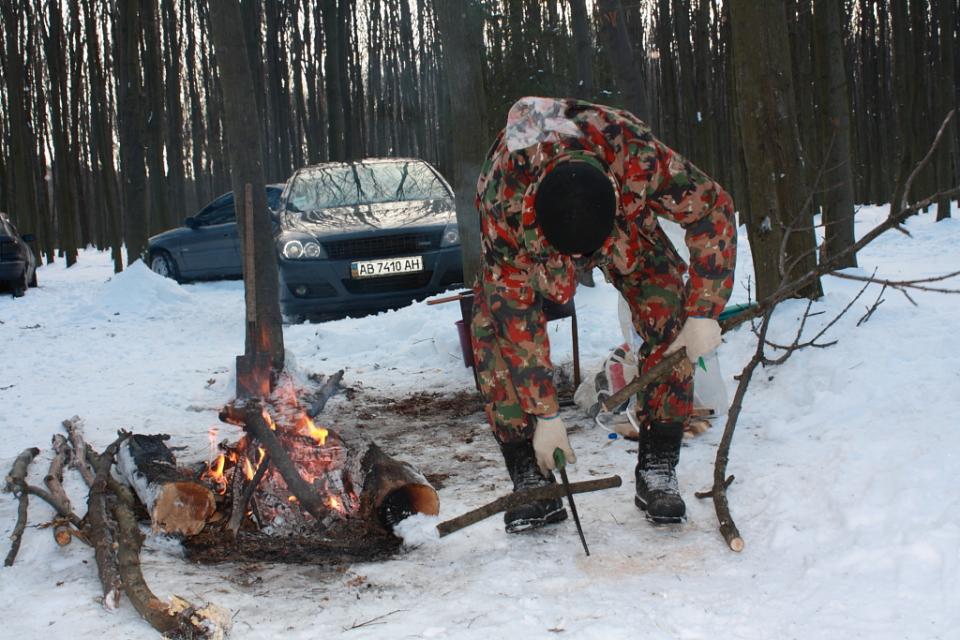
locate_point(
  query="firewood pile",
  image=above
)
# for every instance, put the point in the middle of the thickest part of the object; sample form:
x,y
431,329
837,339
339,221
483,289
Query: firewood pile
x,y
284,490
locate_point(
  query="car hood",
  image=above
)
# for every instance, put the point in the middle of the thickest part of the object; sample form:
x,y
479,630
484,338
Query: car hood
x,y
369,217
167,236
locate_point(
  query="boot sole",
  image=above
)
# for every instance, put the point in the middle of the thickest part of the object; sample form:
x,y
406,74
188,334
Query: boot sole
x,y
658,519
519,526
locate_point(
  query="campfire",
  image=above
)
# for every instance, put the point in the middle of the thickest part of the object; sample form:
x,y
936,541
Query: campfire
x,y
286,489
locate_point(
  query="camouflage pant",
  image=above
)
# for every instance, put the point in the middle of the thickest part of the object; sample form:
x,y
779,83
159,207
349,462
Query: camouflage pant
x,y
655,293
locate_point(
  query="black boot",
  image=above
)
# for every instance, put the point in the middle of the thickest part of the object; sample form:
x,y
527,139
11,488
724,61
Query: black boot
x,y
657,491
523,469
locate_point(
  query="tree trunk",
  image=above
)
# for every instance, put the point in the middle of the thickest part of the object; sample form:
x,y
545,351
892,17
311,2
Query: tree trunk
x,y
836,181
583,42
130,92
462,36
616,42
778,198
246,171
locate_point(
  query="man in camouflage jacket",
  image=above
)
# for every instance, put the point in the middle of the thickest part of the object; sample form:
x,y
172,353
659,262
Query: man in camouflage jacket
x,y
548,147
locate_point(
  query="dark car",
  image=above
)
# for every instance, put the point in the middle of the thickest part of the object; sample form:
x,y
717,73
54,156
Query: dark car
x,y
18,265
207,246
365,236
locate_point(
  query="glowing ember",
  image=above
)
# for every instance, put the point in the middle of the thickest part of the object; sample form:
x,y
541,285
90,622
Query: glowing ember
x,y
334,503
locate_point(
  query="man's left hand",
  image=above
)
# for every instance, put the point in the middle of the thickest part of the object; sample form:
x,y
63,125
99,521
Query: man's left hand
x,y
699,335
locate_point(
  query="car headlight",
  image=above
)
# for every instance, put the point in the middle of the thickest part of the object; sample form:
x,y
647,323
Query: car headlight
x,y
293,249
297,249
451,235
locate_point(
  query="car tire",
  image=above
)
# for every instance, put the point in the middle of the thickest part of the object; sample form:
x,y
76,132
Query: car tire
x,y
162,263
20,288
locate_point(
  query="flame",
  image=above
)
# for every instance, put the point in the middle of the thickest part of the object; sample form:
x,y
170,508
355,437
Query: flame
x,y
248,470
335,503
292,499
214,473
317,433
269,420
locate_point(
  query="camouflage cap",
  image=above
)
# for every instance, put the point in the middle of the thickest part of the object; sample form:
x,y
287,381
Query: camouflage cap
x,y
532,121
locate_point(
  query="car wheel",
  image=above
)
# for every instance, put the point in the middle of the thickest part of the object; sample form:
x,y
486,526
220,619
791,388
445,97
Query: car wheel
x,y
162,264
20,288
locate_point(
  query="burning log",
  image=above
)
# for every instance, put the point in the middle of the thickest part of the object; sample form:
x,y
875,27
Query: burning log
x,y
251,416
394,490
318,499
176,502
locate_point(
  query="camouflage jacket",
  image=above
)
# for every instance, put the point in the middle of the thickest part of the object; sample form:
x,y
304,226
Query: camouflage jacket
x,y
518,268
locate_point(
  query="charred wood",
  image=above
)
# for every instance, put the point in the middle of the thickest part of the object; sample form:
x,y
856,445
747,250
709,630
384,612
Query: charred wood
x,y
393,490
327,391
251,417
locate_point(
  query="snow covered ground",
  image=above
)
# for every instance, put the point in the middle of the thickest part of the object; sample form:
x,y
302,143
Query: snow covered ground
x,y
845,458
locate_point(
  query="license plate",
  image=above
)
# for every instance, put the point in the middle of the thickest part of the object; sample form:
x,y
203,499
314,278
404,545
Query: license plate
x,y
386,267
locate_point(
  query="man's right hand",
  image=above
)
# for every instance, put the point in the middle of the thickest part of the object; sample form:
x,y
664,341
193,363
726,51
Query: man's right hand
x,y
549,434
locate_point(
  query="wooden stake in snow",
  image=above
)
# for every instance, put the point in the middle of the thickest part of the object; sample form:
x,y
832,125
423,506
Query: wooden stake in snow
x,y
176,503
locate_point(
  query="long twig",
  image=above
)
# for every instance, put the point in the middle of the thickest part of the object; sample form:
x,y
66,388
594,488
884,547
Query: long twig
x,y
17,485
525,496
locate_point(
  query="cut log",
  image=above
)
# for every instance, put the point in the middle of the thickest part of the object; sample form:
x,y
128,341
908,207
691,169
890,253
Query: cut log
x,y
394,490
176,502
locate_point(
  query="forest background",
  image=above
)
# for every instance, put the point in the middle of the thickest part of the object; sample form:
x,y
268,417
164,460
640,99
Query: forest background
x,y
112,115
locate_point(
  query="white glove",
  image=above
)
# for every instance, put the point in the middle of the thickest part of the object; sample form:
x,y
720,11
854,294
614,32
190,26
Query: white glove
x,y
699,335
549,434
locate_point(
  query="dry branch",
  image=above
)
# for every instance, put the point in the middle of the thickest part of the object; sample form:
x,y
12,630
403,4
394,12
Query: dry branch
x,y
99,527
239,507
327,391
183,623
74,428
54,478
17,485
525,496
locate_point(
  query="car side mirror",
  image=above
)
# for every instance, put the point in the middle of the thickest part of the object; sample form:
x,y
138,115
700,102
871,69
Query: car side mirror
x,y
191,222
28,237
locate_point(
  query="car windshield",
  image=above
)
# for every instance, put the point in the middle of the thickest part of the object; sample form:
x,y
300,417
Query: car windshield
x,y
347,185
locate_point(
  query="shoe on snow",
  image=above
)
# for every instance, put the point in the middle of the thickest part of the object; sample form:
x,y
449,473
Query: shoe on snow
x,y
523,470
656,475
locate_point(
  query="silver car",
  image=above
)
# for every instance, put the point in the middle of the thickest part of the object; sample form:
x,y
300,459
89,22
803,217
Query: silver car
x,y
357,237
